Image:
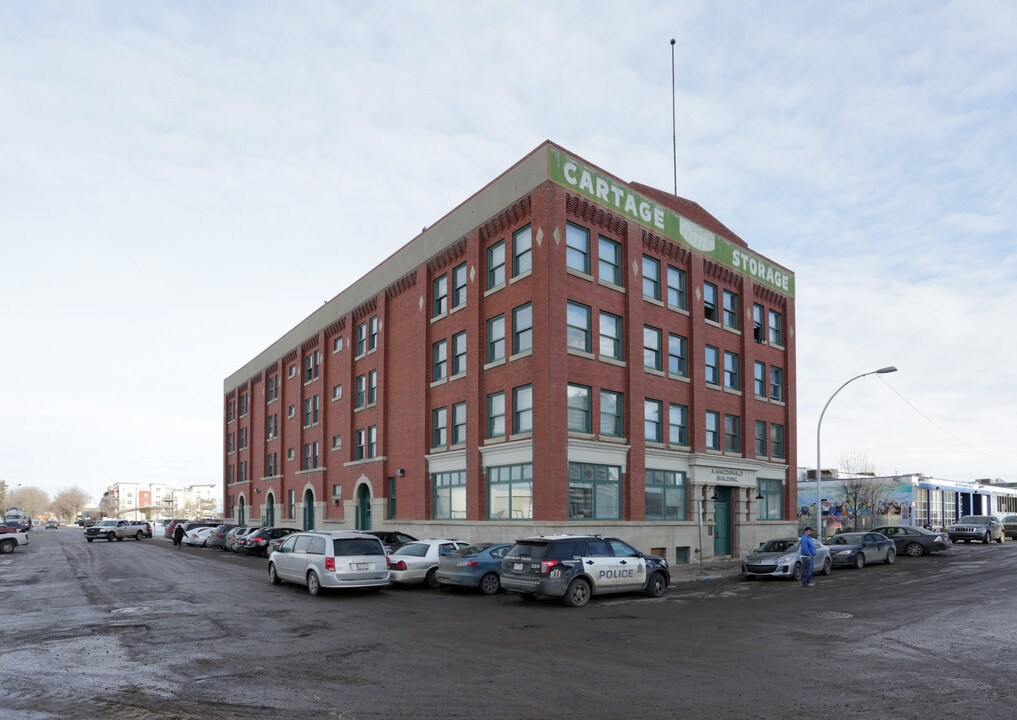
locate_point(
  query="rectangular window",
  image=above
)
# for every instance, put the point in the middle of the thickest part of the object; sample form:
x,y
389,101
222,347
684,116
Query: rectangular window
x,y
594,492
731,310
776,441
372,387
243,471
459,285
311,407
760,438
611,419
610,335
496,265
732,371
360,445
372,441
230,410
665,495
449,495
609,261
577,248
459,353
337,344
291,503
712,368
291,411
337,392
768,506
496,415
439,360
361,339
310,455
676,288
522,409
758,323
272,388
271,426
776,328
440,296
651,278
710,301
712,430
243,404
337,442
579,408
678,425
652,421
578,331
522,251
459,424
496,339
271,464
651,348
372,333
243,438
361,391
759,379
522,329
732,433
776,383
439,428
312,366
677,356
391,498
510,489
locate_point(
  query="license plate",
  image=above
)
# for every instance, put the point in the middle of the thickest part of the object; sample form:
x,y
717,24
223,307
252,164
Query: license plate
x,y
361,566
518,567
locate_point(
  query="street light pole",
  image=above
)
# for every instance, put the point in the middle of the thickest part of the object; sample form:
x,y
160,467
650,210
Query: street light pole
x,y
819,464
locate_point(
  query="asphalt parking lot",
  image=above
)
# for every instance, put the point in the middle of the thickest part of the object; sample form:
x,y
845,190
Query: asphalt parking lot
x,y
145,630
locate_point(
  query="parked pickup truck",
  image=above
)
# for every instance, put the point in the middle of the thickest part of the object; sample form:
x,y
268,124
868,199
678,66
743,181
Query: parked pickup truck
x,y
110,530
11,540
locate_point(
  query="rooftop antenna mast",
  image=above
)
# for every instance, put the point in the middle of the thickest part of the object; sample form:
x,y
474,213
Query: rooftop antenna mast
x,y
674,131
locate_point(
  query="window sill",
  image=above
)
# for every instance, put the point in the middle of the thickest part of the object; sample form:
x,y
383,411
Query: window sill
x,y
679,378
494,440
436,383
714,323
440,316
365,461
496,288
733,330
655,444
520,355
611,438
522,435
781,403
679,310
579,274
611,286
733,391
583,435
581,353
308,471
714,386
612,361
520,276
457,376
654,301
651,371
494,363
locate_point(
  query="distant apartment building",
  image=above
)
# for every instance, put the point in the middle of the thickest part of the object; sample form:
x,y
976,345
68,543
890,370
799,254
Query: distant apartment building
x,y
157,501
563,352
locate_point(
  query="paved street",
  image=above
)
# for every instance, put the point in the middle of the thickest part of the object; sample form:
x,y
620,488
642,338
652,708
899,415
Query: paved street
x,y
141,630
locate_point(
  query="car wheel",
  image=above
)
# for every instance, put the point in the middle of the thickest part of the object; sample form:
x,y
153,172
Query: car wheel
x,y
657,585
273,576
859,561
827,566
7,546
109,537
578,593
987,539
139,536
891,555
1001,538
313,584
914,549
431,579
798,572
490,584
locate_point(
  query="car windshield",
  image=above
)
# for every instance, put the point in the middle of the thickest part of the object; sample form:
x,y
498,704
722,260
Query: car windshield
x,y
1010,518
973,520
344,547
471,550
847,539
107,523
413,549
532,550
784,545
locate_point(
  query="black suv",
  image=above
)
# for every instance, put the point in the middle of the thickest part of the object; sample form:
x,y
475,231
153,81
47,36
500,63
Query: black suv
x,y
392,539
577,567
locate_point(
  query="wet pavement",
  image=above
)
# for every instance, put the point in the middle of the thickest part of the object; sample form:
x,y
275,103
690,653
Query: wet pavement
x,y
141,630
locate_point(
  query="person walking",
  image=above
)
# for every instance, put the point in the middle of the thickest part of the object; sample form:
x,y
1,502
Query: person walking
x,y
178,536
808,553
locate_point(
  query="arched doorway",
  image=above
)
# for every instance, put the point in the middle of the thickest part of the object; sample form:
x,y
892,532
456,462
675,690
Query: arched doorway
x,y
241,514
363,507
270,510
308,509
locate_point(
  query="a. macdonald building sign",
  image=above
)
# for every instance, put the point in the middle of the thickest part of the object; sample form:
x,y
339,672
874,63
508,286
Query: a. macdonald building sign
x,y
617,197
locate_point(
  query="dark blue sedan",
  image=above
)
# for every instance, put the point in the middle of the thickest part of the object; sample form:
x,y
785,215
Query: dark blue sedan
x,y
476,566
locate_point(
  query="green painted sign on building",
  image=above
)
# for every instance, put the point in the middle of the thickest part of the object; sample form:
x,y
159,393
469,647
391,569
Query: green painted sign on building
x,y
618,197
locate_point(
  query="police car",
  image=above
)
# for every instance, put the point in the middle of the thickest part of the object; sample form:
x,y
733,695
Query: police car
x,y
578,567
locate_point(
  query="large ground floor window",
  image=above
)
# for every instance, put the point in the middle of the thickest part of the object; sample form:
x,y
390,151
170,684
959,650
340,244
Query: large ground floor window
x,y
768,506
510,492
665,495
594,492
449,495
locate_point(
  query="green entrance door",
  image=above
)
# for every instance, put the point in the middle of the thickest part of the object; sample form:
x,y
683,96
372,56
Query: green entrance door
x,y
270,511
722,521
241,515
308,510
363,507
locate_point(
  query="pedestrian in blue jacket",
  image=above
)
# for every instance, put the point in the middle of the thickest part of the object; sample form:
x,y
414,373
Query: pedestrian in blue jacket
x,y
808,551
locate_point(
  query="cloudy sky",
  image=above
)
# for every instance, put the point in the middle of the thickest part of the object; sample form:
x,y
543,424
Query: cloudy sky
x,y
181,183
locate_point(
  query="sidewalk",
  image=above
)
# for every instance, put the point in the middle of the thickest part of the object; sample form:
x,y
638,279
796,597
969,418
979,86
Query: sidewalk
x,y
712,570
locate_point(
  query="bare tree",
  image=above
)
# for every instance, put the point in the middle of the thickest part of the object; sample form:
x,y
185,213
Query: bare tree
x,y
857,462
68,503
30,500
865,495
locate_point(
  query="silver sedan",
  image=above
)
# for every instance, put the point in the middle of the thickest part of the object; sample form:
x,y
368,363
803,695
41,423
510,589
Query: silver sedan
x,y
782,558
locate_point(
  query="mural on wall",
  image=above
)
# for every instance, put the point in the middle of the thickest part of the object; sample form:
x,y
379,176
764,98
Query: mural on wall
x,y
856,500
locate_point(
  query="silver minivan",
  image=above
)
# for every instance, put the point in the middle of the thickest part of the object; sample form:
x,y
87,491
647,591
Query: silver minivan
x,y
330,559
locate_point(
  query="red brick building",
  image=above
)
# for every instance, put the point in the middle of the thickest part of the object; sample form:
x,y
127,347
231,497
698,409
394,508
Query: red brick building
x,y
562,352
